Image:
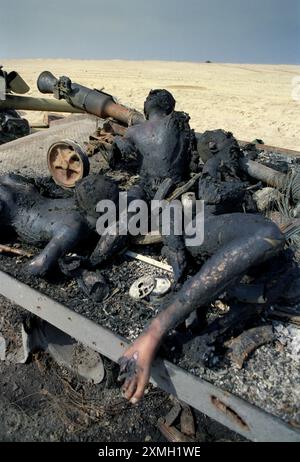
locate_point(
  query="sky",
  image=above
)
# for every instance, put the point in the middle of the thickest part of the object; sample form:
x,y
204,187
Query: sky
x,y
245,31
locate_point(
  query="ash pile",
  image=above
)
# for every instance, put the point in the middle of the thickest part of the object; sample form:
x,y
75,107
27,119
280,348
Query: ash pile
x,y
226,309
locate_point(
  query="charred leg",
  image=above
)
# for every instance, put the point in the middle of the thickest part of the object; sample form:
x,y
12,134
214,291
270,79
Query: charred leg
x,y
112,243
231,261
108,246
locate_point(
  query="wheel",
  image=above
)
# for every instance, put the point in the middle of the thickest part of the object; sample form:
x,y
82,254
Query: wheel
x,y
67,163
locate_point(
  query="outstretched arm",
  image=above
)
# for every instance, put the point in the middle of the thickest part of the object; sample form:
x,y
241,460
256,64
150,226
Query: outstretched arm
x,y
230,262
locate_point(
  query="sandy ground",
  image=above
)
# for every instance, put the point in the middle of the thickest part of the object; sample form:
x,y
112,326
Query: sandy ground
x,y
41,401
252,101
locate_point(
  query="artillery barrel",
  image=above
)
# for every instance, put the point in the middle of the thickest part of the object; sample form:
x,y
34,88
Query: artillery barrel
x,y
263,173
93,101
28,103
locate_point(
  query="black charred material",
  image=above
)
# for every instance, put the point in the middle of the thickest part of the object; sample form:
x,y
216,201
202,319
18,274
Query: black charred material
x,y
222,235
60,224
205,347
220,152
12,126
271,282
224,196
223,185
227,254
163,143
233,244
164,147
92,283
91,189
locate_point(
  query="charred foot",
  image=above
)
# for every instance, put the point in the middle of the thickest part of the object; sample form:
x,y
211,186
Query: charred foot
x,y
177,259
37,267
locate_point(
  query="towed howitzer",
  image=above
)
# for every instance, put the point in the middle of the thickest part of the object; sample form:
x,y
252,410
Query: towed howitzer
x,y
12,126
12,82
93,101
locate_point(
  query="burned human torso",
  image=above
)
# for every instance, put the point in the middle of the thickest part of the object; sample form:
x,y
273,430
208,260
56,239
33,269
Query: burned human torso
x,y
163,149
59,223
162,143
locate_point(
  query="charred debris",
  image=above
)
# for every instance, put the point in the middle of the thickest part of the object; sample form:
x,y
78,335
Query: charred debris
x,y
248,191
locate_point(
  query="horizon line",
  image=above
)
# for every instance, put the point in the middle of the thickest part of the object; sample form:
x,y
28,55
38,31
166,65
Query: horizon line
x,y
152,60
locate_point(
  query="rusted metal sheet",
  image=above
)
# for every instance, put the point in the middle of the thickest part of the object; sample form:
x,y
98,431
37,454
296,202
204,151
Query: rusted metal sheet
x,y
231,411
240,347
29,154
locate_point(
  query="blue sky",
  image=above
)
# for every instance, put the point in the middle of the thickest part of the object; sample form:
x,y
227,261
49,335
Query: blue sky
x,y
248,31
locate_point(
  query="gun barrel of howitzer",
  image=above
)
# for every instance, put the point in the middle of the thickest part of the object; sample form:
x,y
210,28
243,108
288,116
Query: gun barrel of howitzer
x,y
90,100
122,113
102,105
28,103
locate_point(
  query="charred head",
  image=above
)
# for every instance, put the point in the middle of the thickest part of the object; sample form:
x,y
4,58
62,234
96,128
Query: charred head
x,y
159,102
212,142
91,190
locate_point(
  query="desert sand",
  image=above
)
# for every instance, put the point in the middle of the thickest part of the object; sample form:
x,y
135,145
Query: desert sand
x,y
252,101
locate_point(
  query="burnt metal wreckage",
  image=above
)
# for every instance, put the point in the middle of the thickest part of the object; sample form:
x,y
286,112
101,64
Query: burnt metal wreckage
x,y
12,125
12,89
90,100
249,267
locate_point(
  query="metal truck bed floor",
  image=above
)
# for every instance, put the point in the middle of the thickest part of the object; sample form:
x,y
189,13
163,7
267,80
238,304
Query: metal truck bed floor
x,y
29,154
227,409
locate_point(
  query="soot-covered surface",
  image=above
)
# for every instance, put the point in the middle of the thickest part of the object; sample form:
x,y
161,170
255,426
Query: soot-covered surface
x,y
269,379
41,401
